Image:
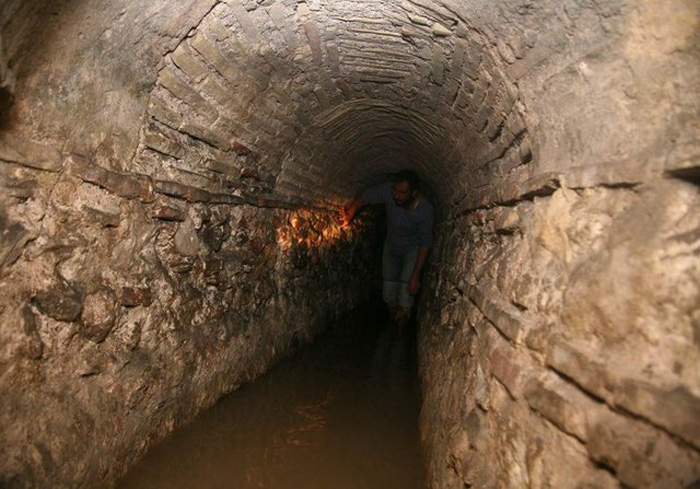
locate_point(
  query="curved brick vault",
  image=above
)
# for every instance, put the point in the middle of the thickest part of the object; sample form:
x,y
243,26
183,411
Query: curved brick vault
x,y
171,174
322,101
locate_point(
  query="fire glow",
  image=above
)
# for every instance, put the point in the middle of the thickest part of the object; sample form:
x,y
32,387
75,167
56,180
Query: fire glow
x,y
311,229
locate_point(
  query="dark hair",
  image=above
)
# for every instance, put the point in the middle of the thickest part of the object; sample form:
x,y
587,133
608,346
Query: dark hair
x,y
407,176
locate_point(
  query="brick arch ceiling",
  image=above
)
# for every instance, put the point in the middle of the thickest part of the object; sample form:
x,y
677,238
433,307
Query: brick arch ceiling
x,y
311,101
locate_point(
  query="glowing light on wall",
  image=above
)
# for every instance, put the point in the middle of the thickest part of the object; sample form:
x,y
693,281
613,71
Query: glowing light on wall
x,y
312,229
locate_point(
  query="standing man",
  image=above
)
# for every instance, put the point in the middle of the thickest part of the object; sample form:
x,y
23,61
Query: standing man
x,y
408,240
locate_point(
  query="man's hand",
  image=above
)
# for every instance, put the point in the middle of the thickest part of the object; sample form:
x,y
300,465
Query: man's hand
x,y
414,281
346,216
349,212
414,285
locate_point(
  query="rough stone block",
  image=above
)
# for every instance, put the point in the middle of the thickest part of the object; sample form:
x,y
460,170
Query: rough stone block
x,y
29,153
136,296
481,389
218,93
510,369
207,135
640,455
214,236
163,112
440,30
321,97
123,185
450,91
212,271
183,59
166,213
482,87
561,404
279,16
33,346
98,315
169,80
16,188
417,19
61,303
458,55
505,318
438,65
472,60
104,218
583,367
538,338
156,140
208,49
14,238
334,59
314,41
222,167
677,410
482,117
244,18
506,163
186,241
186,192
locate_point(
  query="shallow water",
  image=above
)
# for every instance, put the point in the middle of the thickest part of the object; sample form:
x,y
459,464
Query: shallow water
x,y
343,413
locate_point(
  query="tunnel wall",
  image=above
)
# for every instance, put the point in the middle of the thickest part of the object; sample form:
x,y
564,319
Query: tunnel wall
x,y
130,301
570,321
126,310
559,337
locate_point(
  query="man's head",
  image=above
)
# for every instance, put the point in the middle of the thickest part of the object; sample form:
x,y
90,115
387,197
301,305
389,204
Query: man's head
x,y
404,188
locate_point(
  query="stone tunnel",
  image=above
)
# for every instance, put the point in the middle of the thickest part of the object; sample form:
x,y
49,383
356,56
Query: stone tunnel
x,y
171,178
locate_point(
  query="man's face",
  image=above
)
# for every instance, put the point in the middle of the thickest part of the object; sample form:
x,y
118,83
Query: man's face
x,y
402,193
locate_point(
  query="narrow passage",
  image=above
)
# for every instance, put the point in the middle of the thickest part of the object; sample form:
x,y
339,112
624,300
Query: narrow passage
x,y
342,413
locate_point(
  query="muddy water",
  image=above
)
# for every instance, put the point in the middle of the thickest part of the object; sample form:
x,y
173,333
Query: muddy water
x,y
341,414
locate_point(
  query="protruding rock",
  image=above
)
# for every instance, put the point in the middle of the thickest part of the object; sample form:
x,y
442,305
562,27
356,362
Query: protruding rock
x,y
29,153
60,303
130,334
13,240
440,30
214,236
186,241
166,213
99,313
417,19
136,296
33,347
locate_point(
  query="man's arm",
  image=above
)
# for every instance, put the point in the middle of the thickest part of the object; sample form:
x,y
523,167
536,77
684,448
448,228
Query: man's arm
x,y
425,229
350,211
414,282
373,195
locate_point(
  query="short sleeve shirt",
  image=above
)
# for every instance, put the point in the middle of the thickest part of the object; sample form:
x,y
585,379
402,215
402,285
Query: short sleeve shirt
x,y
406,229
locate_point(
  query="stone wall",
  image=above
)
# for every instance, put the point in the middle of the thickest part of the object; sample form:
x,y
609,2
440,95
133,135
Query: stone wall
x,y
559,348
129,304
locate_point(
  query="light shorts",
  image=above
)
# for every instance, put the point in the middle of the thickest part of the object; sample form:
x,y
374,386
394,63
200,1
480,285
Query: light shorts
x,y
396,272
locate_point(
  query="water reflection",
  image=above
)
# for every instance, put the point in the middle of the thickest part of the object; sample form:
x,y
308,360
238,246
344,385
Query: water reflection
x,y
341,414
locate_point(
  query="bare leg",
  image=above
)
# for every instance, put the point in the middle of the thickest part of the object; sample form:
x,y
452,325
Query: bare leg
x,y
403,315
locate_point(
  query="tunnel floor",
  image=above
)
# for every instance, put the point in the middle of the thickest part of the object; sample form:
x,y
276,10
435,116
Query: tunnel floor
x,y
341,413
